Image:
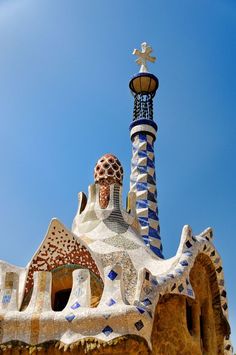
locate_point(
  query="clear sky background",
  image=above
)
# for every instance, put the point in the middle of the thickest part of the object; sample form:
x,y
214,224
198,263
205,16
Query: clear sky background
x,y
64,101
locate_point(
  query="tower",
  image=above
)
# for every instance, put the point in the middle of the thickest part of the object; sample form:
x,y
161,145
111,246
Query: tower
x,y
143,130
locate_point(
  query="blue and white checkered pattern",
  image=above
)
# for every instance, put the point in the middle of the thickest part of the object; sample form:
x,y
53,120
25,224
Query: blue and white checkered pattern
x,y
143,183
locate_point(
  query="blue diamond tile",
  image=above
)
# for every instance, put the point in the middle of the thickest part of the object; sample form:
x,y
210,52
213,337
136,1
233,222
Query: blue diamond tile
x,y
154,282
142,154
150,163
70,317
141,186
75,305
151,197
154,232
150,148
110,302
139,325
141,310
142,204
190,292
147,302
180,288
107,330
152,215
188,244
143,221
142,169
184,263
157,251
112,275
142,137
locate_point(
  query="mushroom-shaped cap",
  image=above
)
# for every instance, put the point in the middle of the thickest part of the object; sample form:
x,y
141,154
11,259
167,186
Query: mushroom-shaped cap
x,y
108,168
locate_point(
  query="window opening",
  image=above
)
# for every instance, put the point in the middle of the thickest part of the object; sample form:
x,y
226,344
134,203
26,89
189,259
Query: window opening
x,y
189,317
61,299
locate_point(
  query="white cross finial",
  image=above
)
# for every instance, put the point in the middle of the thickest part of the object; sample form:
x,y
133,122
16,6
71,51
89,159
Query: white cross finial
x,y
143,56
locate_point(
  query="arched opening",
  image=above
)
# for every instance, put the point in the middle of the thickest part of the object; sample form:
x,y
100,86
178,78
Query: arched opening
x,y
62,285
189,317
60,300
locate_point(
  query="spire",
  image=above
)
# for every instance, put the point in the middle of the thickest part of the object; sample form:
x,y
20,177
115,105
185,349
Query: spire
x,y
143,131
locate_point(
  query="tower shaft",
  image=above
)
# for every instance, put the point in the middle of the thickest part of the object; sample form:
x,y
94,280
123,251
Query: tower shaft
x,y
143,131
143,183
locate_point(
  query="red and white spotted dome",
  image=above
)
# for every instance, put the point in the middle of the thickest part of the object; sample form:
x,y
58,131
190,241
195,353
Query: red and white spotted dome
x,y
109,168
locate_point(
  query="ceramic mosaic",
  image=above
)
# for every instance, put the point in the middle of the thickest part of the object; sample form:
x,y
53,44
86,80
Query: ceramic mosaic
x,y
121,247
143,183
133,277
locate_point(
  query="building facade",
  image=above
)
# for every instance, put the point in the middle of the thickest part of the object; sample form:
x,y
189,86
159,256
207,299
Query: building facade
x,y
104,287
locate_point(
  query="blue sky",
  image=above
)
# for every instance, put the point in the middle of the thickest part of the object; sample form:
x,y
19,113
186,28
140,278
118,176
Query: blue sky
x,y
64,102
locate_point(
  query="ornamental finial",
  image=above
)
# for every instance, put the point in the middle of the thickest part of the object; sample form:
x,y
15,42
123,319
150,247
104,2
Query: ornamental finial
x,y
143,56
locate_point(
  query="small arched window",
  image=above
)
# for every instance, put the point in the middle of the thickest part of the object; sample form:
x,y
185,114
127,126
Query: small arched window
x,y
189,317
60,299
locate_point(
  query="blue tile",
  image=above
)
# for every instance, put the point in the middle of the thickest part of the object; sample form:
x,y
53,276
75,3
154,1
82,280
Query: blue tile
x,y
151,180
111,302
188,244
142,154
141,310
143,221
6,299
139,325
142,204
147,302
70,317
153,233
107,330
154,282
150,148
153,215
150,163
75,305
141,186
142,137
184,263
190,292
151,197
157,251
142,169
112,275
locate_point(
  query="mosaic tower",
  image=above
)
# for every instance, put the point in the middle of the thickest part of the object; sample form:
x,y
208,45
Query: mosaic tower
x,y
143,131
